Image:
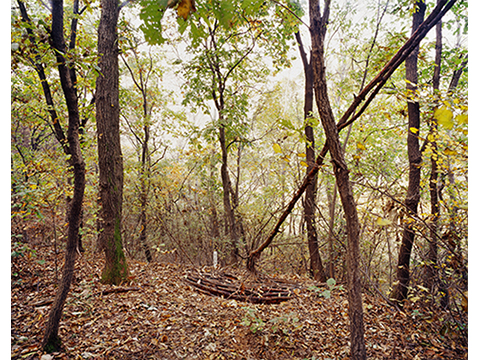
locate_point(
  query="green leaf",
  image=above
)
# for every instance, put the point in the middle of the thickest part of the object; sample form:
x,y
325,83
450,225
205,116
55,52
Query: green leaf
x,y
444,117
331,282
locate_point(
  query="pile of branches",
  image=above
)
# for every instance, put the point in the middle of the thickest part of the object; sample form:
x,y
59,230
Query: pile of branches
x,y
230,286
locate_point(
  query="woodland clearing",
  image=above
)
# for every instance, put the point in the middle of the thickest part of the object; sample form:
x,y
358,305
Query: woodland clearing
x,y
159,316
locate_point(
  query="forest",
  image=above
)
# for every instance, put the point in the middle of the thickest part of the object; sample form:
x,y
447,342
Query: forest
x,y
244,179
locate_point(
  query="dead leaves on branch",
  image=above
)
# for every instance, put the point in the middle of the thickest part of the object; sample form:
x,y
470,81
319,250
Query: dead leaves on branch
x,y
161,315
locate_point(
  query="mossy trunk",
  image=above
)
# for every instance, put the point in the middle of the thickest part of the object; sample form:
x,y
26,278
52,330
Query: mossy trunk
x,y
116,269
110,160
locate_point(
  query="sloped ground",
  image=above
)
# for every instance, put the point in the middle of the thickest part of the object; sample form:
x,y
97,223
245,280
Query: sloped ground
x,y
159,316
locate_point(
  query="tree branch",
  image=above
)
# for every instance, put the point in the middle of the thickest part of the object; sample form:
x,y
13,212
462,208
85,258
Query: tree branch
x,y
372,88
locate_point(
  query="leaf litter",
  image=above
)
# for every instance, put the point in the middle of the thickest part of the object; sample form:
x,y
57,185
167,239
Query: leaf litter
x,y
159,315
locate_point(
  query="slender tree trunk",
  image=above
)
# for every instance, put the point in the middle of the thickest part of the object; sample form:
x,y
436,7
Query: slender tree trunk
x,y
143,221
109,151
316,266
51,341
227,191
318,28
431,274
415,163
331,224
144,178
215,228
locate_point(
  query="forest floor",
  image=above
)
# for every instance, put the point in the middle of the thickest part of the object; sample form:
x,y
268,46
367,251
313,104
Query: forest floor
x,y
159,316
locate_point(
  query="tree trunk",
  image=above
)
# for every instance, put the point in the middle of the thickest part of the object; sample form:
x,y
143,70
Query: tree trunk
x,y
316,266
215,228
431,274
143,223
318,28
144,178
51,341
227,190
415,163
109,151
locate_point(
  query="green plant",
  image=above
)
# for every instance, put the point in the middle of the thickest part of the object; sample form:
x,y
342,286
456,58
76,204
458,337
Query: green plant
x,y
252,320
20,249
286,323
327,293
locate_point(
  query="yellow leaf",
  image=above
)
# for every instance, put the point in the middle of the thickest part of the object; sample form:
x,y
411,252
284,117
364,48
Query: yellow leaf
x,y
302,155
444,117
185,8
383,222
415,299
448,151
361,146
277,148
303,163
413,130
462,119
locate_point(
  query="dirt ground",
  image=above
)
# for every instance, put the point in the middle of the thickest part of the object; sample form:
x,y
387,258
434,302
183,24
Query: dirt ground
x,y
159,316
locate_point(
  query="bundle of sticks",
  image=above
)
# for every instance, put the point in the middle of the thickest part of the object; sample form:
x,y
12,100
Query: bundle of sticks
x,y
231,287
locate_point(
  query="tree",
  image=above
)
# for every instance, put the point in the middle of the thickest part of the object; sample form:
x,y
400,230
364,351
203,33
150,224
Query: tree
x,y
316,266
363,100
51,341
224,68
318,29
143,117
69,143
415,163
430,270
109,150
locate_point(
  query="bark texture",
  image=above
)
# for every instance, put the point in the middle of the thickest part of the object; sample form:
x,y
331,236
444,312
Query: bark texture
x,y
318,28
415,163
51,341
227,191
430,270
109,151
316,265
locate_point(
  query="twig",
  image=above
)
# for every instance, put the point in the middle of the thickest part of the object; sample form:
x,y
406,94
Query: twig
x,y
118,290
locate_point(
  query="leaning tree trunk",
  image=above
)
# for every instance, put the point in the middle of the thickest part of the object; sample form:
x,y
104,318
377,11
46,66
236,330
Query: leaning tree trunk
x,y
415,162
318,28
109,151
316,266
51,341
